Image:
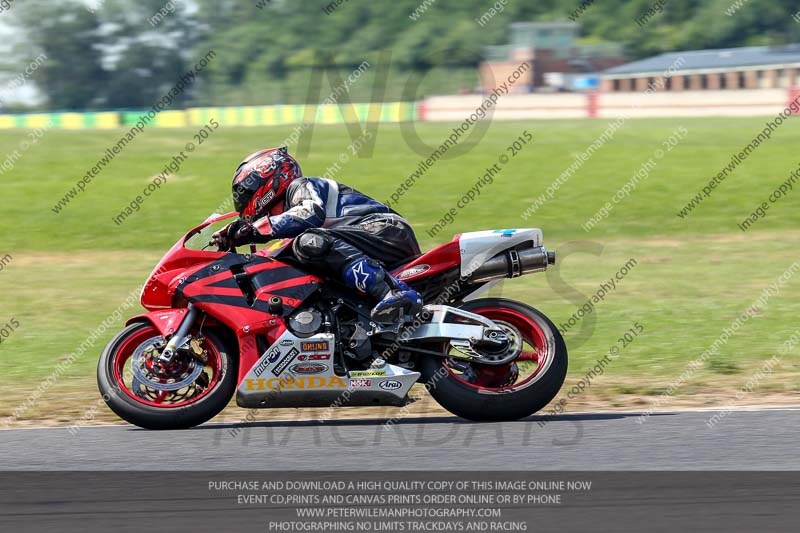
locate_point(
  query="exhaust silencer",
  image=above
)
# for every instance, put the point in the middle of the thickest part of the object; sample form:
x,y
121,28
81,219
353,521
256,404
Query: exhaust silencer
x,y
514,263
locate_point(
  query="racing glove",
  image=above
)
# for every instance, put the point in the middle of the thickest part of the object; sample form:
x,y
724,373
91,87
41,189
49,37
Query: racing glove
x,y
238,233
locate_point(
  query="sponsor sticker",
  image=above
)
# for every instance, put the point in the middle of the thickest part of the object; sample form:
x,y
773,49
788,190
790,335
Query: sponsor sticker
x,y
280,367
273,354
413,271
308,368
294,382
265,200
314,357
287,342
360,383
261,367
314,346
390,384
367,373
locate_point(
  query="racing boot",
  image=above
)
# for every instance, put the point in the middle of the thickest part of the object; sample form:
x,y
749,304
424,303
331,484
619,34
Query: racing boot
x,y
397,301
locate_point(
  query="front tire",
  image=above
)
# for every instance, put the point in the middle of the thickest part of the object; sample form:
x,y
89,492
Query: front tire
x,y
149,408
481,392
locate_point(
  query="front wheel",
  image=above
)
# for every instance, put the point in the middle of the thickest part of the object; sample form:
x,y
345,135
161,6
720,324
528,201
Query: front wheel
x,y
510,391
191,390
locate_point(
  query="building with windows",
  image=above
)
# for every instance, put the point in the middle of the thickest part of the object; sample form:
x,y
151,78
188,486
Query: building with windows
x,y
752,67
548,47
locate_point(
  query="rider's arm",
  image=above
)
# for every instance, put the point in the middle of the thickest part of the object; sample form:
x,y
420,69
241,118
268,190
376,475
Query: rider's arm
x,y
305,210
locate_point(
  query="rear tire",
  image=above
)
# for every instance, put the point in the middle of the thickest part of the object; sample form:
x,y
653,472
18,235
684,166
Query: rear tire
x,y
163,417
493,405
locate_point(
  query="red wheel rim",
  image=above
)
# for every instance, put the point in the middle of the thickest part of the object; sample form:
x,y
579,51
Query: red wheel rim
x,y
532,333
128,347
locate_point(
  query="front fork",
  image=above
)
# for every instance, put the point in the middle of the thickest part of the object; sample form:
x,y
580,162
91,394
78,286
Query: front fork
x,y
180,338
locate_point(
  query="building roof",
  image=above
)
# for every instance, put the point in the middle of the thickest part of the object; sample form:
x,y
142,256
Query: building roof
x,y
724,58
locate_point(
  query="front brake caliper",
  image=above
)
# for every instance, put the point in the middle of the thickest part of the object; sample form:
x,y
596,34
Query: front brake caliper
x,y
196,345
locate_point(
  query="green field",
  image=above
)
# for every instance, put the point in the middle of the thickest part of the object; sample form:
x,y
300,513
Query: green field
x,y
693,277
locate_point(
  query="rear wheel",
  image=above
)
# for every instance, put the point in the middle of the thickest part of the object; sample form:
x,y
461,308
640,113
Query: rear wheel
x,y
509,391
191,390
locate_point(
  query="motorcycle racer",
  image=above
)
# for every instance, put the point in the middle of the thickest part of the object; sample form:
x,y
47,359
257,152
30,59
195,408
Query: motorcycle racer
x,y
335,228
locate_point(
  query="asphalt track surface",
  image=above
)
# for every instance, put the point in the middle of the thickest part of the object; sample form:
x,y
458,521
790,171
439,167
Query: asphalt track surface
x,y
765,439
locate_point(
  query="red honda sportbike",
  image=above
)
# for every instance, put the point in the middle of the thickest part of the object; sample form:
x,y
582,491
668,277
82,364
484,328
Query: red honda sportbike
x,y
261,327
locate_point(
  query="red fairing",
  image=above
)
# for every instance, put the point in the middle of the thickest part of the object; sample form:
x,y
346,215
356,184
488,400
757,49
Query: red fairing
x,y
178,263
205,279
208,280
248,347
166,322
214,288
440,259
291,287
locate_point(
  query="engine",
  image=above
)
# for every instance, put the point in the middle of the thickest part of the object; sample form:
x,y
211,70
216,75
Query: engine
x,y
305,322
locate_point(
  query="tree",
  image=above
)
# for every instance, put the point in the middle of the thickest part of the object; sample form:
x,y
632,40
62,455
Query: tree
x,y
69,36
147,46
